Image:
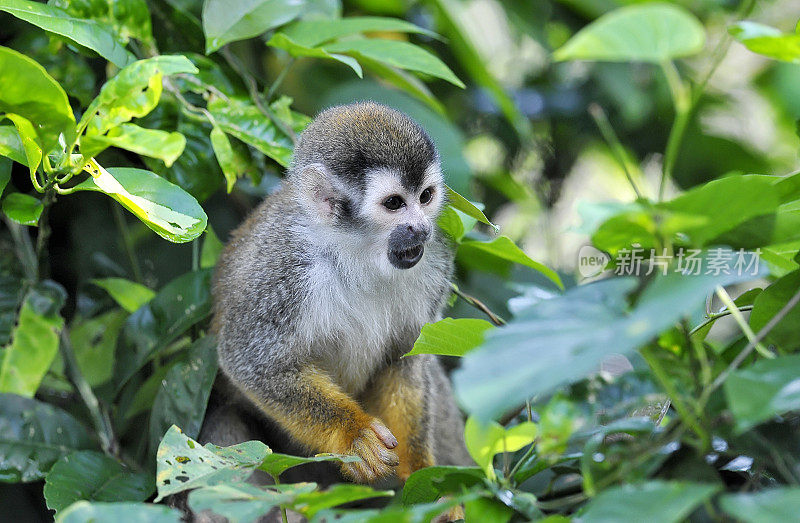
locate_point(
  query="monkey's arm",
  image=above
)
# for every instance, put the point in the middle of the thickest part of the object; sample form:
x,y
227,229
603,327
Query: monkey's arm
x,y
319,415
401,396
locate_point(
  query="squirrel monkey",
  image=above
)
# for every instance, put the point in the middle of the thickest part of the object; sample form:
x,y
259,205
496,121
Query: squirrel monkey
x,y
323,289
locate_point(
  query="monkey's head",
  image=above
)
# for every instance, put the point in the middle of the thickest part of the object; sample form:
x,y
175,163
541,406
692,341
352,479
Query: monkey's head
x,y
372,173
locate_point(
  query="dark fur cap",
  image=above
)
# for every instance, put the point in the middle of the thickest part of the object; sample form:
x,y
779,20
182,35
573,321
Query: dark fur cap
x,y
352,139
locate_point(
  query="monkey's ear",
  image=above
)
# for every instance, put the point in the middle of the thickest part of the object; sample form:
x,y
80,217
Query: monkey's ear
x,y
317,192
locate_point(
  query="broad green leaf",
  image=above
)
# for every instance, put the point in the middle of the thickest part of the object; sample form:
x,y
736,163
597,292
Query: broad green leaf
x,y
486,439
282,41
29,139
128,294
652,32
129,18
786,334
93,341
565,338
34,342
312,33
405,81
28,91
239,502
180,304
767,41
92,476
429,484
211,249
310,503
451,224
460,203
763,390
22,208
241,119
398,54
33,436
771,504
154,143
84,511
132,93
165,208
487,509
225,157
225,21
667,502
11,146
504,248
421,513
449,337
276,464
183,393
88,33
183,464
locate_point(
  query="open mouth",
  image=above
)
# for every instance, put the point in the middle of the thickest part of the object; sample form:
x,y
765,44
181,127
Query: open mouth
x,y
407,258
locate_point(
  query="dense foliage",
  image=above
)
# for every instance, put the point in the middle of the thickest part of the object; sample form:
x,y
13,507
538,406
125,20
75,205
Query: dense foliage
x,y
650,375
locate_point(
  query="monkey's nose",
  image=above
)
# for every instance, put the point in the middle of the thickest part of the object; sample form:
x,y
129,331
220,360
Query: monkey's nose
x,y
419,234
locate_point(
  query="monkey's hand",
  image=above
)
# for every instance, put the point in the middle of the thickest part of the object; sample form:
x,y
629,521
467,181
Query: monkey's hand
x,y
373,445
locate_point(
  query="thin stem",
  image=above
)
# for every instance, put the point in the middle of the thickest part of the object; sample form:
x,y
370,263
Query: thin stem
x,y
24,248
99,417
44,232
611,138
127,242
737,315
279,80
195,255
683,107
475,302
714,317
284,518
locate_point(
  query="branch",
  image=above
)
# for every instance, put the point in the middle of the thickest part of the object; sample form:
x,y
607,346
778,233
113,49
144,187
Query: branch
x,y
475,302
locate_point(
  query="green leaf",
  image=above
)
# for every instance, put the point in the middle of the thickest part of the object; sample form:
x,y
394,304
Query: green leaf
x,y
83,511
398,54
449,337
429,484
128,294
34,341
33,436
29,140
23,208
565,338
166,209
154,143
93,341
504,248
282,41
128,18
276,464
88,33
310,503
763,390
133,92
487,509
183,394
93,476
239,502
180,304
211,250
772,504
241,119
786,334
312,33
225,157
667,502
11,146
652,32
460,203
28,91
451,224
767,41
486,439
184,464
225,21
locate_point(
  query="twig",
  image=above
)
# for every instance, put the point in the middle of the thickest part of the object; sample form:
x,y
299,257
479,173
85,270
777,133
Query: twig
x,y
279,79
728,302
24,248
613,142
127,242
714,317
475,302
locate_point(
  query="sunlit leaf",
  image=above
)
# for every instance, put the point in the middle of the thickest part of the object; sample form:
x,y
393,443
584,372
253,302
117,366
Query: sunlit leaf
x,y
276,464
88,33
282,41
225,157
22,208
504,248
225,21
460,203
11,146
651,32
129,18
128,294
92,476
154,143
767,41
312,33
486,439
450,337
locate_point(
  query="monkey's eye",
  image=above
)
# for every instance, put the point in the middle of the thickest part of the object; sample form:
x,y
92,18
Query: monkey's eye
x,y
426,196
393,202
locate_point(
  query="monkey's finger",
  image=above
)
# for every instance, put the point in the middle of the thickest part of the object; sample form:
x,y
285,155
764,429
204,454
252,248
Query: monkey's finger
x,y
384,434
